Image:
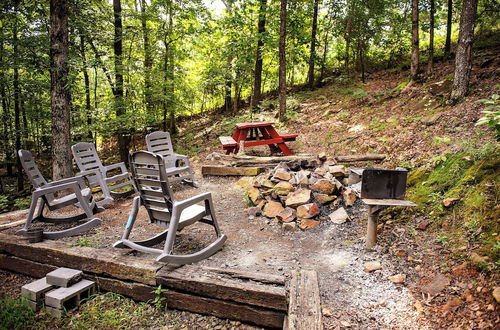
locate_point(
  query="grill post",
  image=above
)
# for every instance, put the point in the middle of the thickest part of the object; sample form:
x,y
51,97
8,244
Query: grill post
x,y
371,232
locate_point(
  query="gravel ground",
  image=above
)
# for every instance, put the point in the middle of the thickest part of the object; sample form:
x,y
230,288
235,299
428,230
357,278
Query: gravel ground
x,y
350,297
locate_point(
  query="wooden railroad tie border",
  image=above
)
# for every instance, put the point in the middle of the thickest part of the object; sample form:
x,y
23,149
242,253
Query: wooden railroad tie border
x,y
245,296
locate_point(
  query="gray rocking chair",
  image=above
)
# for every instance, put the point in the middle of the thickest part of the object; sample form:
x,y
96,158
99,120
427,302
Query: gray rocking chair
x,y
90,165
81,196
148,172
177,166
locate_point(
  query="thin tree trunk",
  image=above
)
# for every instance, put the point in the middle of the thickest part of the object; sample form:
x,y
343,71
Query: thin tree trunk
x,y
362,62
25,129
282,62
447,45
261,29
347,37
148,62
414,41
430,62
123,139
5,112
88,108
17,112
60,89
229,78
312,55
463,58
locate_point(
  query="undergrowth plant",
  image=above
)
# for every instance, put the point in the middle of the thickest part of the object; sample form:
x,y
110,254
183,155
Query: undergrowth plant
x,y
491,114
15,314
159,301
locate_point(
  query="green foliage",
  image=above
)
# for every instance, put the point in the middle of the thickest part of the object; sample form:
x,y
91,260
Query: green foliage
x,y
471,177
160,302
111,311
4,206
22,203
86,241
15,314
491,114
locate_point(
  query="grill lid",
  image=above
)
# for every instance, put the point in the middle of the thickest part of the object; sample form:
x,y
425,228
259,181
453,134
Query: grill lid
x,y
377,183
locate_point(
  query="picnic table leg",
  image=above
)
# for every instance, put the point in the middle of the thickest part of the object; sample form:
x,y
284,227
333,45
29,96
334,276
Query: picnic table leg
x,y
282,146
242,136
285,149
371,232
267,136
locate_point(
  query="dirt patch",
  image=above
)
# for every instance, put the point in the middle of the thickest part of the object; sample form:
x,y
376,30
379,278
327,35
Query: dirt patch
x,y
336,252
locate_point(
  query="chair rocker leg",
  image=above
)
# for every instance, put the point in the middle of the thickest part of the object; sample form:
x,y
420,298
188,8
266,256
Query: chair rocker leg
x,y
194,257
116,195
72,231
104,201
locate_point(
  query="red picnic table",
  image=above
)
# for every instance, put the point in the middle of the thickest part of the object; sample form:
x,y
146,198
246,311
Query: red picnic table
x,y
257,134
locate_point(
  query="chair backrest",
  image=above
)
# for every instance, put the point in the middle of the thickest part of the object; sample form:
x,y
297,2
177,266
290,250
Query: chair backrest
x,y
33,173
159,142
150,178
86,158
29,166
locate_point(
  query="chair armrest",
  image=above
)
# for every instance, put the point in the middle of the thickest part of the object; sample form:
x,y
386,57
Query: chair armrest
x,y
73,185
93,177
76,179
180,206
117,165
179,156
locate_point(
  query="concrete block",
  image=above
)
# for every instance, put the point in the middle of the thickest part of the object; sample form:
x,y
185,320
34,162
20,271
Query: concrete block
x,y
64,277
34,305
55,312
35,291
69,298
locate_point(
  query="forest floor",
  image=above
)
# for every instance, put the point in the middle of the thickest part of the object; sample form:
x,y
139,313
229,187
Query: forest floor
x,y
413,126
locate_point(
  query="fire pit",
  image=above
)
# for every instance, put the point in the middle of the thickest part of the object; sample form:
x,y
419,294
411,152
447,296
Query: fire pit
x,y
302,194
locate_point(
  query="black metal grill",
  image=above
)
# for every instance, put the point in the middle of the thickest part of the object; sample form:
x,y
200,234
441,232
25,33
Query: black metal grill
x,y
380,183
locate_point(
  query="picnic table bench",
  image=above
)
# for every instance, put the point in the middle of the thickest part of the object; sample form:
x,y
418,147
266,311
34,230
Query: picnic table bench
x,y
256,134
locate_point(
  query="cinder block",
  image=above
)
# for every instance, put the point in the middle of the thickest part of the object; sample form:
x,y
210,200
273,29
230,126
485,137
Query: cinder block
x,y
35,291
55,312
69,298
34,305
64,277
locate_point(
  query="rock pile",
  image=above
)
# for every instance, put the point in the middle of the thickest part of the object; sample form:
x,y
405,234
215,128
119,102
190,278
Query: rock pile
x,y
302,194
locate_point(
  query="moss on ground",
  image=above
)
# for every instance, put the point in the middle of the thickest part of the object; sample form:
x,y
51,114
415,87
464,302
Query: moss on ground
x,y
473,179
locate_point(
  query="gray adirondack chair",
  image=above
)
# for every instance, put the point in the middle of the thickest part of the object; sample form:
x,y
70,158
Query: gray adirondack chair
x,y
44,191
177,166
151,179
90,165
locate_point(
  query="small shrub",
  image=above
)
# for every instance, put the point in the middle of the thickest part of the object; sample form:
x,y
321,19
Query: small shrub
x,y
491,114
3,203
22,203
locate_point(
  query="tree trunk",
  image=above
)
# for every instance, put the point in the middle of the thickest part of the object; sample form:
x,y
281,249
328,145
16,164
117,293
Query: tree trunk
x,y
430,62
17,110
123,139
60,89
148,61
5,112
463,58
347,37
88,108
168,122
312,54
362,62
414,41
282,62
447,45
261,29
